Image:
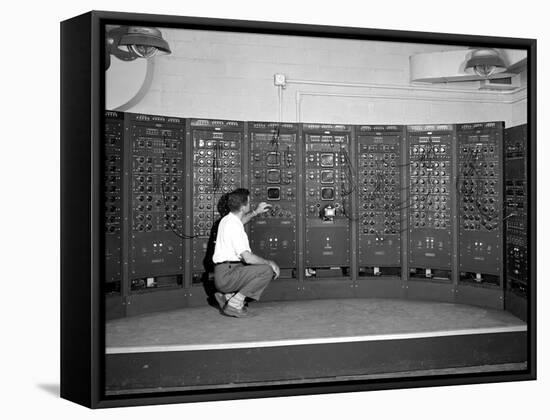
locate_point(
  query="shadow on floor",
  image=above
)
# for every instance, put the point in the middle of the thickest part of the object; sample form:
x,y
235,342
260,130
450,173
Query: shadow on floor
x,y
52,389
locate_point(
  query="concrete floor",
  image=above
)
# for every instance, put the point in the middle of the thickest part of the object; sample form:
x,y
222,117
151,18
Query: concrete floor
x,y
330,319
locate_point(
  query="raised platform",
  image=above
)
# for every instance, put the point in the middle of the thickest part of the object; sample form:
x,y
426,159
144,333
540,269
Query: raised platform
x,y
305,340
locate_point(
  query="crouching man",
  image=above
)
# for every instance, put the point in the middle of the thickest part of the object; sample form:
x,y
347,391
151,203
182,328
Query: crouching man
x,y
239,273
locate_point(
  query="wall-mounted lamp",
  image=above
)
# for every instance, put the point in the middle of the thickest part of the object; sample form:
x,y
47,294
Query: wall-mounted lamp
x,y
485,62
130,42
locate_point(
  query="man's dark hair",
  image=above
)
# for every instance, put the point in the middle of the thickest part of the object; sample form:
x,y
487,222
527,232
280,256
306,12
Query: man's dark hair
x,y
237,198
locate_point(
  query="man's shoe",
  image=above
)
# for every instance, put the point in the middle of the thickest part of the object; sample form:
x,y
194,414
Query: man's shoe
x,y
220,298
237,313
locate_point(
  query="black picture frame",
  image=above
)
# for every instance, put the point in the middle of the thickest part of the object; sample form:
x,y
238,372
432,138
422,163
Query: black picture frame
x,y
82,113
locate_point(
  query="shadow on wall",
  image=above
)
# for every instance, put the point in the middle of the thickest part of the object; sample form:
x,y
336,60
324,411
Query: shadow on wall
x,y
208,264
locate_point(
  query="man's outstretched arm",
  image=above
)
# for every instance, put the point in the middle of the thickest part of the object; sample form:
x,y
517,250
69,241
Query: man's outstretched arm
x,y
262,208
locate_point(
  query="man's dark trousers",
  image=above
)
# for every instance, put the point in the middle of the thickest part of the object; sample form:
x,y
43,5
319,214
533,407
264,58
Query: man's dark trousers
x,y
249,280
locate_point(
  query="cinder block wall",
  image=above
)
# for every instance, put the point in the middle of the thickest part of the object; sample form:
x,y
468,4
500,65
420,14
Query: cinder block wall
x,y
230,76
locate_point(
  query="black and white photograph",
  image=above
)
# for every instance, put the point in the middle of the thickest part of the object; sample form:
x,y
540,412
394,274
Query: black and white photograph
x,y
319,210
293,209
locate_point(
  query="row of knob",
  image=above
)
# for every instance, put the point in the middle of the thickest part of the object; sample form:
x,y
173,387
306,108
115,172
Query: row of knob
x,y
430,166
430,200
381,147
490,200
485,174
223,189
423,190
477,216
209,144
435,149
210,153
429,205
386,181
378,198
149,227
165,144
149,198
149,207
422,215
164,160
383,172
208,171
477,148
372,164
204,215
430,173
478,226
208,180
478,183
223,162
483,164
150,169
386,189
378,156
149,179
372,206
387,231
437,225
387,223
387,214
277,211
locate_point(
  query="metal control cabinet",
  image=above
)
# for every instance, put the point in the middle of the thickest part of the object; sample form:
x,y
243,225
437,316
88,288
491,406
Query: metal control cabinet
x,y
430,167
156,195
380,196
348,202
217,169
112,189
329,185
480,207
516,205
273,176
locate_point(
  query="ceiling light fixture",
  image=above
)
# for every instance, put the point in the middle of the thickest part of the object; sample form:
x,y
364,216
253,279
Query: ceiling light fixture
x,y
485,62
130,42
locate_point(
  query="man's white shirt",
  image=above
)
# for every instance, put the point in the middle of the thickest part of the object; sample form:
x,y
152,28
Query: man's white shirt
x,y
231,240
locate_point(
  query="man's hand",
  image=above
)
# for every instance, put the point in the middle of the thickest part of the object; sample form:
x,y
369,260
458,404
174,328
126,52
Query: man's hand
x,y
275,269
262,208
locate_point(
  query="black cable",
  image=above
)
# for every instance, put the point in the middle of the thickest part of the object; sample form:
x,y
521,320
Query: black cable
x,y
162,185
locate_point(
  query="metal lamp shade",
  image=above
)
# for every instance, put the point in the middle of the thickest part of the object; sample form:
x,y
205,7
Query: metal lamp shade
x,y
143,36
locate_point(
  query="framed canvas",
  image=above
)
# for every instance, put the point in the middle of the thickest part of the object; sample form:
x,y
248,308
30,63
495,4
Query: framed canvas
x,y
255,209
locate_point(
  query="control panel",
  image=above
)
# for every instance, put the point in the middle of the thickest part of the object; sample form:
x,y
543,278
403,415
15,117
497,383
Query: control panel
x,y
217,170
112,188
329,185
379,191
479,182
441,201
157,198
516,200
430,166
273,179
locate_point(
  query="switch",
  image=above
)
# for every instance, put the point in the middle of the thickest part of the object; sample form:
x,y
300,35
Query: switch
x,y
279,79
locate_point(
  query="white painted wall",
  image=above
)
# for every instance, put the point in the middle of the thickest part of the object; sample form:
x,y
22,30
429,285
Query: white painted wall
x,y
230,76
